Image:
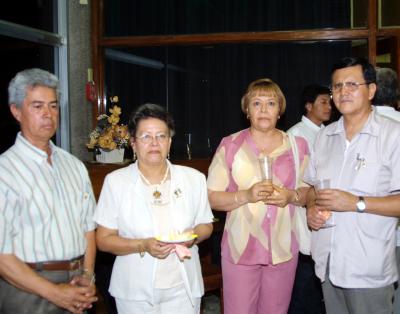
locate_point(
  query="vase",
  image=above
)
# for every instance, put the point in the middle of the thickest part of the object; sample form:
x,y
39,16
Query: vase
x,y
111,156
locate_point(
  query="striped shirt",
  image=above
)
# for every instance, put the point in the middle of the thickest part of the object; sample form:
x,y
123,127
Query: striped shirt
x,y
45,210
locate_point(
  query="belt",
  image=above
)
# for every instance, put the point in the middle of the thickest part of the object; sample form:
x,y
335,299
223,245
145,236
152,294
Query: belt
x,y
72,264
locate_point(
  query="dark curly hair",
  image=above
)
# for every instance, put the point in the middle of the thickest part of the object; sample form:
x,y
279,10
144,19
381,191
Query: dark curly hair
x,y
147,111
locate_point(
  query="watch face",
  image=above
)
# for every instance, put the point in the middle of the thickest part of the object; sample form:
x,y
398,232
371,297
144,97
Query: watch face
x,y
361,205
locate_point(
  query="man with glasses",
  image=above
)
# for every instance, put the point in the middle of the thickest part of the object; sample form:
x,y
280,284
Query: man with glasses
x,y
360,155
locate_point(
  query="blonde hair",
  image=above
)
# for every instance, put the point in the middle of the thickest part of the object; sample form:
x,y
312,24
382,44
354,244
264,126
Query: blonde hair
x,y
263,87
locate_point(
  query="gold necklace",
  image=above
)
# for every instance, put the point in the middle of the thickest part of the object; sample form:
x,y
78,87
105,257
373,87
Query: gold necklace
x,y
156,194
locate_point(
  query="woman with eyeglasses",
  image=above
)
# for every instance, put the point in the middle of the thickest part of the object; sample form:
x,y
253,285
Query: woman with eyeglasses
x,y
259,247
152,214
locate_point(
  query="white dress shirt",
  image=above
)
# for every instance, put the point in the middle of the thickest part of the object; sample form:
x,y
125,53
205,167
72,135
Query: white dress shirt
x,y
307,130
361,246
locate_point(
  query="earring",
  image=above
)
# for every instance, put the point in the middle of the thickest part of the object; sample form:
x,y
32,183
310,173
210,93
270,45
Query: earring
x,y
248,116
134,156
168,156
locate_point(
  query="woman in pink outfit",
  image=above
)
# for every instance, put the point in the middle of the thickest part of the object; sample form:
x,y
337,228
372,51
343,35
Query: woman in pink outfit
x,y
259,246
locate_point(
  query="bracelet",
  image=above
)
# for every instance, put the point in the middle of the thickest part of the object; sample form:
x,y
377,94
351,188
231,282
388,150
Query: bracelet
x,y
89,275
236,199
142,251
296,196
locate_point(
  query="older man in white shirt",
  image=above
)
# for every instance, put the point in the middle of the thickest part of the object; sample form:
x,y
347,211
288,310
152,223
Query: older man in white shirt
x,y
360,154
46,208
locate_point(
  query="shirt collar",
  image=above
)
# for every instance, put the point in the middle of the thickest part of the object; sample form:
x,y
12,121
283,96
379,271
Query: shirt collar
x,y
380,109
311,124
31,151
371,126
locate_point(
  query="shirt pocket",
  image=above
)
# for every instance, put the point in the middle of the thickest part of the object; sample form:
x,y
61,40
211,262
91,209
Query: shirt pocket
x,y
374,252
375,226
365,179
376,236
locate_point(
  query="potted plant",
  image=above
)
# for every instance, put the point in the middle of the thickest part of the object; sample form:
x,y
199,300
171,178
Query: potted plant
x,y
109,139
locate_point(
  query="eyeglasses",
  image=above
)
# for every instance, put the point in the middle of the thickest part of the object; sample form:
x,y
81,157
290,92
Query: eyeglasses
x,y
160,138
351,86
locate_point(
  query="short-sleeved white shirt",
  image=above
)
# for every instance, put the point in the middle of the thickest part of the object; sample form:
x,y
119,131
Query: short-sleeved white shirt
x,y
306,129
361,247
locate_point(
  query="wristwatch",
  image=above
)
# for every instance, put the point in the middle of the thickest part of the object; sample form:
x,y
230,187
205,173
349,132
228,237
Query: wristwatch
x,y
361,204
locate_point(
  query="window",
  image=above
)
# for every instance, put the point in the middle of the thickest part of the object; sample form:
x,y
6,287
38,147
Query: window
x,y
24,46
198,57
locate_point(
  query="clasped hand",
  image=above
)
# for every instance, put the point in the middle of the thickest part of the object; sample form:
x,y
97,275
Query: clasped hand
x,y
269,193
259,191
157,248
74,298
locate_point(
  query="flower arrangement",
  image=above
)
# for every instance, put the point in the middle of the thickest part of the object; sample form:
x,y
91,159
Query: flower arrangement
x,y
108,134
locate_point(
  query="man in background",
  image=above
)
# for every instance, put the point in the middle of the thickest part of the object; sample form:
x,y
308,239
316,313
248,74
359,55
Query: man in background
x,y
316,102
386,99
307,292
47,243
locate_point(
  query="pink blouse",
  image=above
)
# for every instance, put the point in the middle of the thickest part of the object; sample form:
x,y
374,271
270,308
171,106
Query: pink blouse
x,y
256,233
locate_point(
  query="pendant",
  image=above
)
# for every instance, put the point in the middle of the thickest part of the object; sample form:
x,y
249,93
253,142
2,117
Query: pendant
x,y
157,195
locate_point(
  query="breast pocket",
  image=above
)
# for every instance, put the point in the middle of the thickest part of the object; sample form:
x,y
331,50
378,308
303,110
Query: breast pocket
x,y
365,179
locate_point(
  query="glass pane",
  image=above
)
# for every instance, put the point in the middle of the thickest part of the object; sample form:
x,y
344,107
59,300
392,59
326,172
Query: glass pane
x,y
36,14
386,52
389,15
359,13
203,85
136,77
17,55
154,17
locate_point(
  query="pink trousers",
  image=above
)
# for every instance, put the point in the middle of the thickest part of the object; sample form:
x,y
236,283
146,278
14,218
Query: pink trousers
x,y
258,289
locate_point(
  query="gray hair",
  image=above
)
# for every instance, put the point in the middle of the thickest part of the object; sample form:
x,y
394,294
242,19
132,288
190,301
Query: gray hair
x,y
388,92
27,79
